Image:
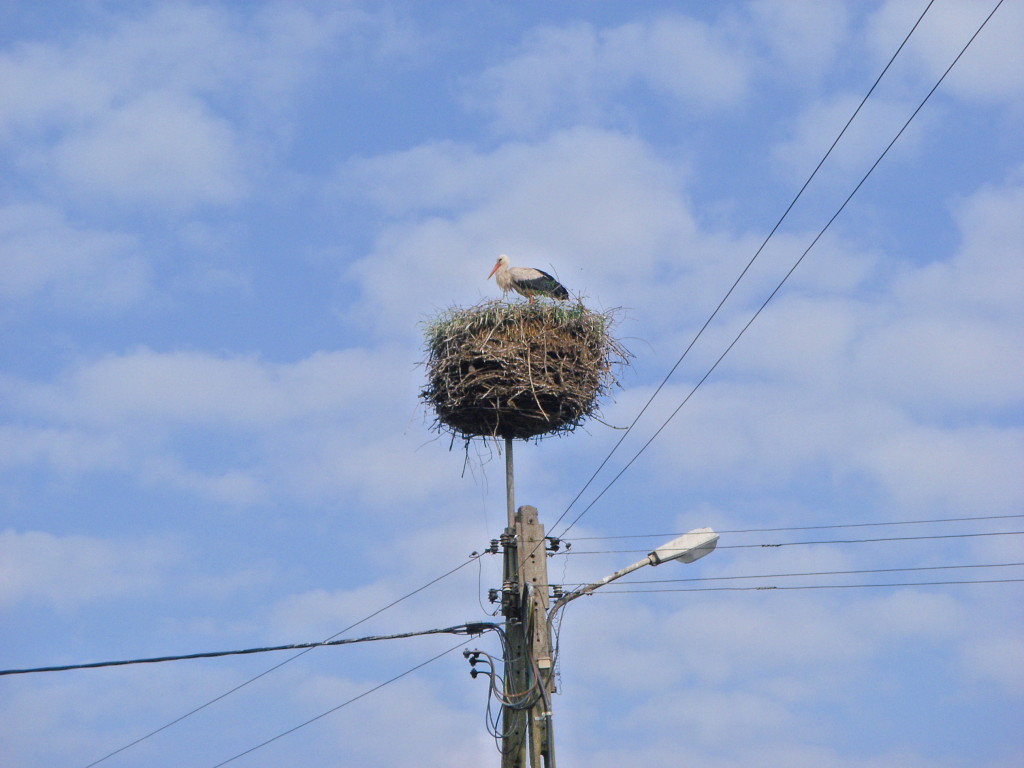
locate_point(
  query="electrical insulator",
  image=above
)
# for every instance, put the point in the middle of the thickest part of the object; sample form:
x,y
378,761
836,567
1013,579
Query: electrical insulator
x,y
509,604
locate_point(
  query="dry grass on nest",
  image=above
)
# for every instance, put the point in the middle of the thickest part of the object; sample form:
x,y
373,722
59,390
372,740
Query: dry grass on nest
x,y
519,370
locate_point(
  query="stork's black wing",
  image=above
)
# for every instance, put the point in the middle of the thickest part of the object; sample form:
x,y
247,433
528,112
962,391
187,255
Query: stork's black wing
x,y
544,285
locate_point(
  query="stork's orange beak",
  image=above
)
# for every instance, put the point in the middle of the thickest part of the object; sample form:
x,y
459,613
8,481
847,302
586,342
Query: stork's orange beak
x,y
498,264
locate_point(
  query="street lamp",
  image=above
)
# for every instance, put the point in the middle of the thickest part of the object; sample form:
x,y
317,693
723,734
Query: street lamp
x,y
686,548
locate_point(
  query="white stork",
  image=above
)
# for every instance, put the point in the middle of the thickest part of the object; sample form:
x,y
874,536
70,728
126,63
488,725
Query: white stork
x,y
526,281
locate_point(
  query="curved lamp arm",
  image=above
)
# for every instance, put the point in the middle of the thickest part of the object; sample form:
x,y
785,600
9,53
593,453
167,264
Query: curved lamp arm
x,y
686,548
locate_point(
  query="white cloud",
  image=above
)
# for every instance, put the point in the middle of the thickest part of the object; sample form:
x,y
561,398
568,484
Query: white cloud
x,y
803,37
992,70
734,673
229,428
998,659
769,436
710,716
985,277
911,382
240,487
984,74
814,130
118,113
680,57
597,208
434,731
419,559
947,363
68,451
176,108
40,89
943,343
160,148
67,571
198,388
49,262
57,720
320,613
974,470
572,75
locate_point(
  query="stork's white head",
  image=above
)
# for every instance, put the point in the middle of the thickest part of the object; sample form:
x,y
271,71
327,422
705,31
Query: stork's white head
x,y
501,263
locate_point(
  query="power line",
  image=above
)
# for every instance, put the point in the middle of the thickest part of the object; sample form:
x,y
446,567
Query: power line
x,y
340,706
861,571
281,664
787,275
807,527
461,629
732,288
773,545
775,588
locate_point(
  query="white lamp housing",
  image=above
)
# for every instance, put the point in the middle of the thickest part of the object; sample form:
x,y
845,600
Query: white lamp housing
x,y
687,548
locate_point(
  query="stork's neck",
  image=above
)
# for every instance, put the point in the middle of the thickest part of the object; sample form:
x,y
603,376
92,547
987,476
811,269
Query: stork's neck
x,y
504,278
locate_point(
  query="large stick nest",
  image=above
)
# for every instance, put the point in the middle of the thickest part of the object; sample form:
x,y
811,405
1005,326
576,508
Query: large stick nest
x,y
519,370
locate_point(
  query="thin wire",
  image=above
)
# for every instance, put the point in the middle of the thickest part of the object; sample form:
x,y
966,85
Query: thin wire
x,y
774,588
278,665
750,263
816,573
496,691
787,276
806,527
799,543
461,629
480,588
343,704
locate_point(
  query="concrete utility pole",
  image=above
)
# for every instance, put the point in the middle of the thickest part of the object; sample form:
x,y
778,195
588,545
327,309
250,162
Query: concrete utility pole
x,y
529,682
528,673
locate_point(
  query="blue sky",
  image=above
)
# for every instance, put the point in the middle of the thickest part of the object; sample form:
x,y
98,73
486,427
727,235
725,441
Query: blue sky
x,y
222,227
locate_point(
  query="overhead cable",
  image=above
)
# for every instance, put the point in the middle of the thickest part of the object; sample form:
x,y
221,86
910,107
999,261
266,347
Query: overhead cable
x,y
806,527
859,571
340,706
776,588
742,274
282,663
782,282
461,629
773,545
